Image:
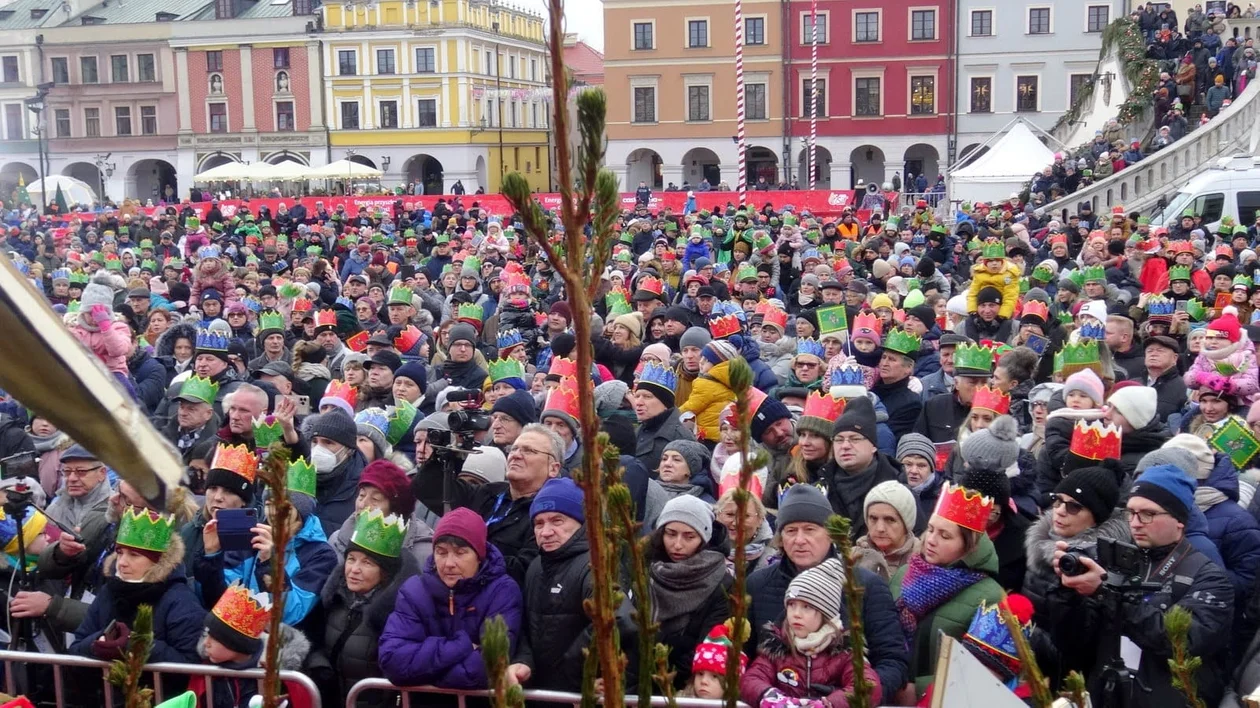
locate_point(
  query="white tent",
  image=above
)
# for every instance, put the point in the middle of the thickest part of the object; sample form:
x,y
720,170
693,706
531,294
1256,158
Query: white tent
x,y
1005,168
75,191
285,170
228,171
344,169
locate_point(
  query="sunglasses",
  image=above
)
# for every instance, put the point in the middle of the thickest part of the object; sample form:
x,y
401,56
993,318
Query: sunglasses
x,y
1072,507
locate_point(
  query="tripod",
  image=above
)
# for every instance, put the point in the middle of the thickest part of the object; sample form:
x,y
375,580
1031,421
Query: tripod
x,y
1117,681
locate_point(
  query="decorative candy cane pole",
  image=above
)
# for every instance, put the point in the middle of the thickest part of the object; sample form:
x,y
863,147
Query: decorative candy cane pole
x,y
813,99
739,102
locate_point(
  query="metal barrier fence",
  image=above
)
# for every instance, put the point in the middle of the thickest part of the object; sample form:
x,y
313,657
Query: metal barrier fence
x,y
59,662
558,697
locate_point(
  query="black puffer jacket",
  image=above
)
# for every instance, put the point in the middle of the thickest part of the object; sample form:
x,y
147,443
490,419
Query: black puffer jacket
x,y
556,626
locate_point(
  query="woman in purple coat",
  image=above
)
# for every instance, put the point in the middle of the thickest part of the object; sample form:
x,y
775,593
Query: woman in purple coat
x,y
433,637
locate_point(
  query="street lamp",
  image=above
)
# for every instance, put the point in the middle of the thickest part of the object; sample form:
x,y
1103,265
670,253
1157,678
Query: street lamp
x,y
384,163
105,169
36,105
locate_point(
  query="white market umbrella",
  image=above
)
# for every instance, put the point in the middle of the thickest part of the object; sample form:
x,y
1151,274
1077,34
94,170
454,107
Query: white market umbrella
x,y
344,169
284,170
75,191
227,172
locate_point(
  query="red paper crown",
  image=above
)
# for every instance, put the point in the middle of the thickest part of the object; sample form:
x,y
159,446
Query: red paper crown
x,y
777,318
562,367
407,338
513,267
1037,308
899,316
1095,441
724,326
964,507
410,243
822,406
1058,238
241,611
868,320
1180,246
517,281
358,342
303,305
991,399
236,459
340,389
652,285
326,318
564,398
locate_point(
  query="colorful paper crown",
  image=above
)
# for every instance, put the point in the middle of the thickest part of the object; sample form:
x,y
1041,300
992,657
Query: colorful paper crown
x,y
564,398
725,326
325,318
562,367
79,278
113,262
236,459
401,415
775,318
510,368
267,430
470,312
848,375
993,248
507,339
145,530
658,376
1042,273
746,272
209,252
1034,308
1094,274
400,295
990,636
243,611
964,507
340,389
209,341
200,388
617,304
61,274
902,342
374,417
826,407
1158,306
868,322
270,320
1242,281
991,399
1179,247
408,340
1095,440
300,477
809,347
1179,272
1078,356
1092,330
377,533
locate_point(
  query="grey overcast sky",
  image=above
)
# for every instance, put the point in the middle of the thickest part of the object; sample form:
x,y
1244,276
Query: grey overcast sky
x,y
586,17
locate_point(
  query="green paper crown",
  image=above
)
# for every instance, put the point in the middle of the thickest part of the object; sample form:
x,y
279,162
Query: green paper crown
x,y
1195,310
913,284
267,430
140,530
113,264
148,264
270,320
79,278
98,257
72,307
290,290
400,295
975,245
1024,285
176,263
746,271
470,311
379,534
401,416
192,222
300,477
442,238
1242,280
993,248
762,242
199,387
1065,317
146,243
474,263
506,369
1077,356
1095,274
1077,276
1042,273
903,342
973,357
617,304
790,220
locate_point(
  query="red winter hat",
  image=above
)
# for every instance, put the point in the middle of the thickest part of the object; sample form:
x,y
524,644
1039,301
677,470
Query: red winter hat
x,y
465,525
393,483
712,652
1228,323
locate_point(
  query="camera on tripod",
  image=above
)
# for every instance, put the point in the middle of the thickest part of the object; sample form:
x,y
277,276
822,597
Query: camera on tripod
x,y
464,423
1124,563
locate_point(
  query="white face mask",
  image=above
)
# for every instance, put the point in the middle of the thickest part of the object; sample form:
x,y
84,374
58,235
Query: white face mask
x,y
323,459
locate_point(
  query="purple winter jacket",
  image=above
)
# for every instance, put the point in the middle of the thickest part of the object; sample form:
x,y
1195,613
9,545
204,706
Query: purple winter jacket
x,y
429,637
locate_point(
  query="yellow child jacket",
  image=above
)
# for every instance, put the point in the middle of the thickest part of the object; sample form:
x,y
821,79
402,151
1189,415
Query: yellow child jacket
x,y
1007,281
710,393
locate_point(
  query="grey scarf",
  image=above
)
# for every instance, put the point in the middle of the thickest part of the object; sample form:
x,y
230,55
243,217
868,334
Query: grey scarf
x,y
44,443
678,589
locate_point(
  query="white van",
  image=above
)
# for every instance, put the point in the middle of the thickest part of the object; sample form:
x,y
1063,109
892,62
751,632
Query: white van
x,y
1230,188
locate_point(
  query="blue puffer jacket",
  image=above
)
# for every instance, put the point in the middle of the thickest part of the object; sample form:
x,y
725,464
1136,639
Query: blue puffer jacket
x,y
763,376
1232,529
929,361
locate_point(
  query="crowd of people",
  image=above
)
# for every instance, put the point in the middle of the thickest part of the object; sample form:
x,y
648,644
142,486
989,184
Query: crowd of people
x,y
981,399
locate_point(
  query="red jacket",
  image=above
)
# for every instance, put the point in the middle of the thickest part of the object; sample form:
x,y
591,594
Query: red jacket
x,y
777,666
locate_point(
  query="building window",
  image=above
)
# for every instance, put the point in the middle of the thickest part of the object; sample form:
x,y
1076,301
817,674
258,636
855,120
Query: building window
x,y
426,62
284,116
1098,17
347,63
218,118
807,29
981,23
1026,94
807,98
754,30
280,58
533,69
122,120
426,113
146,68
13,121
697,33
389,114
922,95
384,61
698,103
981,94
10,70
92,122
923,24
148,120
118,69
490,68
87,70
643,35
533,116
866,96
61,70
755,101
1039,20
350,116
61,122
644,104
1076,84
866,27
214,61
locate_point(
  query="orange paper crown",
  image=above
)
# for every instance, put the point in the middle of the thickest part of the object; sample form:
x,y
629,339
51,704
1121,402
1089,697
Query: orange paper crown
x,y
246,613
652,285
868,320
991,399
236,459
822,406
340,389
724,326
302,305
1037,308
326,318
562,367
1095,440
564,398
778,318
964,507
1059,238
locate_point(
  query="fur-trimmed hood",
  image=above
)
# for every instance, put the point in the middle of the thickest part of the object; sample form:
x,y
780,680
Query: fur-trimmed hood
x,y
382,603
1242,346
170,565
165,345
1040,539
784,346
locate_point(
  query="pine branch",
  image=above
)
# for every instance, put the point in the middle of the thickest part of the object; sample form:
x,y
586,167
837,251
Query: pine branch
x,y
664,677
740,375
838,528
621,510
495,649
127,672
1074,689
274,472
1041,696
1183,666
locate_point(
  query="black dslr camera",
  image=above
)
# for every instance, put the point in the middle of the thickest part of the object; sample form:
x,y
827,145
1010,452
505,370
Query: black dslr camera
x,y
1124,562
464,423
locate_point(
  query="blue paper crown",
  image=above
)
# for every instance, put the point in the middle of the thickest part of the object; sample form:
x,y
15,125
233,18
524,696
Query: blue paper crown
x,y
848,376
345,301
23,267
658,375
805,345
988,628
810,253
209,341
374,417
509,338
918,239
723,307
252,304
1093,330
1161,307
719,268
209,252
61,274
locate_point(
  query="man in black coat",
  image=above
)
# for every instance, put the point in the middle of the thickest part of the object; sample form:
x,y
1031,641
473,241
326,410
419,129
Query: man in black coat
x,y
944,414
1125,351
1162,353
893,383
858,465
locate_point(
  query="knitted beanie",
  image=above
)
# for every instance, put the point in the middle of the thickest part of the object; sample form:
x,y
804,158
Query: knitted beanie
x,y
463,524
719,351
1087,382
899,497
695,454
1178,457
768,413
561,495
96,294
691,511
916,444
609,396
658,350
1136,403
711,653
374,434
462,332
858,417
1198,447
1095,488
820,587
1169,487
336,426
989,482
393,483
694,337
994,448
803,503
519,406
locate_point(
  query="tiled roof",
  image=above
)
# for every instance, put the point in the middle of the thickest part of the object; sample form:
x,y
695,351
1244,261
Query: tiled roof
x,y
122,12
17,15
583,60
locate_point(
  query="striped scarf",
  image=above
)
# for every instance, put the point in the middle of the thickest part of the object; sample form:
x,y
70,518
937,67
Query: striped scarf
x,y
926,587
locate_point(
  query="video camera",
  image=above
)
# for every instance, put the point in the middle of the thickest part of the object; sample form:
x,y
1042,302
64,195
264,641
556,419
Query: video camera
x,y
464,423
1124,564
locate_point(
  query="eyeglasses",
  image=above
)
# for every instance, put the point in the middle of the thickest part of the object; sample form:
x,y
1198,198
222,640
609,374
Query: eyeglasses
x,y
69,472
850,440
806,365
529,452
1071,507
1145,516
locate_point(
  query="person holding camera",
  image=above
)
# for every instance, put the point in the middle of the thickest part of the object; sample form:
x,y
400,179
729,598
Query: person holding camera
x,y
1135,600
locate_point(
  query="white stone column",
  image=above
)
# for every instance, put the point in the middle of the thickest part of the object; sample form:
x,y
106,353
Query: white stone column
x,y
314,80
840,174
185,100
247,88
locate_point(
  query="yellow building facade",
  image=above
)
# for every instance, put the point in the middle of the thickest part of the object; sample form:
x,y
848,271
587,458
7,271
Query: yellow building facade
x,y
438,92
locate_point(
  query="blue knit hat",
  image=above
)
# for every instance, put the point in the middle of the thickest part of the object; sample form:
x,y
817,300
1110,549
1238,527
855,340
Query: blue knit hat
x,y
560,495
1168,486
768,413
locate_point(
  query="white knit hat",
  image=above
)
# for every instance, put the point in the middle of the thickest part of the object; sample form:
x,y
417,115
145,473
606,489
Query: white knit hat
x,y
1198,447
1136,403
899,497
